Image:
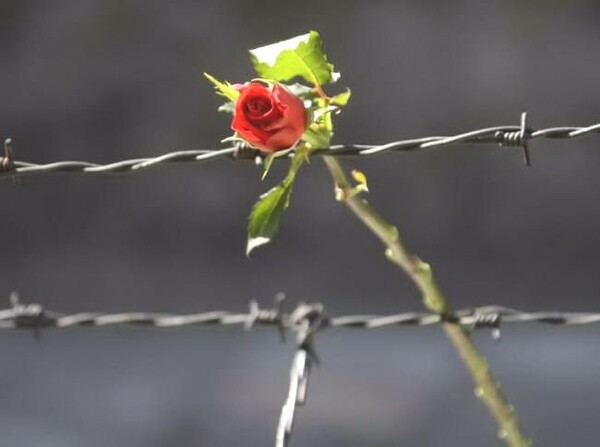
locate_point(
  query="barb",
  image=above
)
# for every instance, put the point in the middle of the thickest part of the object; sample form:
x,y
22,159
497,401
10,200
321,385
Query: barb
x,y
503,136
306,320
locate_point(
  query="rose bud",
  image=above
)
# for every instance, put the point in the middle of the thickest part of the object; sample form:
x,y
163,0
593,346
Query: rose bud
x,y
270,119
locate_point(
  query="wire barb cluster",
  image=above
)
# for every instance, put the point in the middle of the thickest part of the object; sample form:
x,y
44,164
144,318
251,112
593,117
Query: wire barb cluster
x,y
306,320
504,136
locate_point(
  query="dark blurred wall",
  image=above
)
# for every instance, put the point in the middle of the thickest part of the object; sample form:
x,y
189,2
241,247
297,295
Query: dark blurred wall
x,y
105,80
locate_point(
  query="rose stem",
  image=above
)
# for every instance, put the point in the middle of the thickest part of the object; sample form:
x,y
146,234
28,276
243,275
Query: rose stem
x,y
320,91
487,389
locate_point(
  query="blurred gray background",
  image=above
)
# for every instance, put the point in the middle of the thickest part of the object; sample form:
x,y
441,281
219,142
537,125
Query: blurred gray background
x,y
102,80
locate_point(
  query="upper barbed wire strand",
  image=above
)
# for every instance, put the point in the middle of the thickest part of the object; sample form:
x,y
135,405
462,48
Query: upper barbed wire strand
x,y
504,136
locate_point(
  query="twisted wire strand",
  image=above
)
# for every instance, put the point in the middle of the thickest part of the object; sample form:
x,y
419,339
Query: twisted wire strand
x,y
296,397
33,316
305,321
504,136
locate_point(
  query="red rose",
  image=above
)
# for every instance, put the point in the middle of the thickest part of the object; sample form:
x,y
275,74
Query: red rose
x,y
270,119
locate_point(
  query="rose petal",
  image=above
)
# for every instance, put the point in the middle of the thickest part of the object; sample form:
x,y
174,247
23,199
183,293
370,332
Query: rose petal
x,y
251,133
264,121
283,139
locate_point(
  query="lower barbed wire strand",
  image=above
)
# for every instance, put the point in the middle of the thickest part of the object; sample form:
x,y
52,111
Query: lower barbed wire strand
x,y
34,316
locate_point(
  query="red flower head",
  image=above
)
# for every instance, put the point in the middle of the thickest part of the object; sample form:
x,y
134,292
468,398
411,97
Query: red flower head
x,y
271,119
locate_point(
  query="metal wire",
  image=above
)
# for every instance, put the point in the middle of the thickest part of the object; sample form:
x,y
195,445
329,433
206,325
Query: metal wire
x,y
305,321
504,136
296,396
33,316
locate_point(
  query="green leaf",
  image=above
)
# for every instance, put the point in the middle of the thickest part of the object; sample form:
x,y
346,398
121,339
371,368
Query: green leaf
x,y
233,138
228,107
319,113
271,157
300,56
266,215
341,99
317,136
361,180
302,91
223,88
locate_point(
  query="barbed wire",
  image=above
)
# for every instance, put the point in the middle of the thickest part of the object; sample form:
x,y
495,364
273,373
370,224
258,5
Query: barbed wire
x,y
503,136
34,316
305,321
